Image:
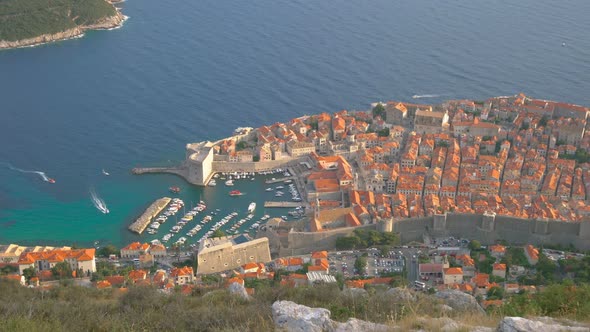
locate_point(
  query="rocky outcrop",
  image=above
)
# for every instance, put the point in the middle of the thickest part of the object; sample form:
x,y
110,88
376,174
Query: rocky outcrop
x,y
357,325
402,295
459,301
545,324
106,23
238,290
293,317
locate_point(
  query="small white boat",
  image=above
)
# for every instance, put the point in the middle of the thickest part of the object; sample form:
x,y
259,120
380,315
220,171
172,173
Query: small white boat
x,y
251,207
105,172
229,183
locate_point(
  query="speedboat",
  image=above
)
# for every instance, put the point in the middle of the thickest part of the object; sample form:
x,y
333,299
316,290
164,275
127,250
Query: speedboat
x,y
251,207
174,190
235,193
50,180
105,172
229,183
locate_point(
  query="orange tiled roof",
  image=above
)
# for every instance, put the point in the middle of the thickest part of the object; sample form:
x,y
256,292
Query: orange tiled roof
x,y
57,255
500,267
319,254
183,271
454,271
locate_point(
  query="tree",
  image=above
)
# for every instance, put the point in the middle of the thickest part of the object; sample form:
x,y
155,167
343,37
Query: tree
x,y
474,245
379,110
383,132
495,293
63,270
29,273
360,264
108,250
347,242
241,145
217,233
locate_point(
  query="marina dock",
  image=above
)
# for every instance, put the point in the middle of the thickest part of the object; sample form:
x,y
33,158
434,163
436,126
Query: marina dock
x,y
271,204
269,181
152,211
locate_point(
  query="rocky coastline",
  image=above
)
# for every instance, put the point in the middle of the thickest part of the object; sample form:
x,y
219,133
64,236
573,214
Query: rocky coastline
x,y
110,22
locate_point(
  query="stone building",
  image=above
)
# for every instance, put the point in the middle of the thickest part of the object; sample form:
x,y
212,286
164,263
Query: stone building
x,y
199,159
231,252
429,122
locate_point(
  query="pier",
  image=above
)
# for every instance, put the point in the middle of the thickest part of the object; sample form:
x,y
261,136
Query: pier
x,y
155,170
269,181
271,204
152,211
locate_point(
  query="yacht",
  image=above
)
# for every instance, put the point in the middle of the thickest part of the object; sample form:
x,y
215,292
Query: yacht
x,y
251,207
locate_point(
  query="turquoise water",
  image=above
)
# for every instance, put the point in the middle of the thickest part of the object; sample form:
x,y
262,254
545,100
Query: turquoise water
x,y
196,70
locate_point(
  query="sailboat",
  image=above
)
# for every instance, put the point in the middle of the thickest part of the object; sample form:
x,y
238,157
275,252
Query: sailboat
x,y
105,172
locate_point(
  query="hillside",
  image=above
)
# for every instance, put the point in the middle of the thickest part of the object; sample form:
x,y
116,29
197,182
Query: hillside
x,y
30,22
139,308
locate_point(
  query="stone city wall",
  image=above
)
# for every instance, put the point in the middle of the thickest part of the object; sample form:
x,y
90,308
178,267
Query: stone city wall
x,y
488,230
301,243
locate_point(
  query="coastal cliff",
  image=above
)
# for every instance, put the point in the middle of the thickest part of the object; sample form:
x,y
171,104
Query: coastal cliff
x,y
68,21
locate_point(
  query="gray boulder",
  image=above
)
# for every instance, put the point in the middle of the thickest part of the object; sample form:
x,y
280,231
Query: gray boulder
x,y
238,290
354,292
545,324
399,294
459,301
357,325
291,316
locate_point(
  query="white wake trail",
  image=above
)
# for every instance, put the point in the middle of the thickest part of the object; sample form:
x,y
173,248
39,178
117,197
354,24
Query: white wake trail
x,y
98,202
426,96
41,174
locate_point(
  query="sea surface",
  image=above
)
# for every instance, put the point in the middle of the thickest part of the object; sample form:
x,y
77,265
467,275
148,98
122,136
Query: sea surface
x,y
194,70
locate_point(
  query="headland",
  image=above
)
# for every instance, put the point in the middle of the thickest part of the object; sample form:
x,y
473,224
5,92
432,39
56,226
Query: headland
x,y
31,23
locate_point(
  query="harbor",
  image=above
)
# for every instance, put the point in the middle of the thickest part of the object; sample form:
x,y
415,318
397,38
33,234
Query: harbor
x,y
153,210
236,203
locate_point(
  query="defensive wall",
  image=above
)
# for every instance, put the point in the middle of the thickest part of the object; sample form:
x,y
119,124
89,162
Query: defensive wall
x,y
301,243
227,256
487,228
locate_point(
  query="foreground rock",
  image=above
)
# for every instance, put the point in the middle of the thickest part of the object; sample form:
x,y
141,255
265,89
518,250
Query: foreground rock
x,y
238,290
399,294
545,324
290,316
460,301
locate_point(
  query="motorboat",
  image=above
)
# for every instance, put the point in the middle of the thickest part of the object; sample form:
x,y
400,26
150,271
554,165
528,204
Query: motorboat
x,y
229,182
105,172
235,193
174,190
251,207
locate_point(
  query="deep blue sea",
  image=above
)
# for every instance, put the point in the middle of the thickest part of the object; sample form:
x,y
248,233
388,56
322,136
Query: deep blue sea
x,y
194,70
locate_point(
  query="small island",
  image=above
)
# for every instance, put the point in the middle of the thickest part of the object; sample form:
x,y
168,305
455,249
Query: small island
x,y
34,22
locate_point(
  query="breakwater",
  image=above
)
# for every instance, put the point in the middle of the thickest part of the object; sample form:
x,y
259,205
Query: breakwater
x,y
152,211
271,204
269,181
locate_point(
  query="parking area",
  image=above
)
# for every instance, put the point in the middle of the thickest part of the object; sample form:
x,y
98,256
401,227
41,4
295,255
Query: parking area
x,y
377,264
450,242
